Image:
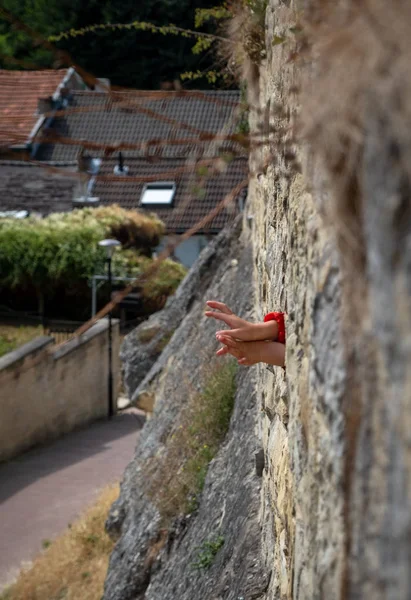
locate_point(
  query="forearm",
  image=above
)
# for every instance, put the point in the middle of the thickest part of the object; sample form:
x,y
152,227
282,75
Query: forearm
x,y
272,353
254,332
265,331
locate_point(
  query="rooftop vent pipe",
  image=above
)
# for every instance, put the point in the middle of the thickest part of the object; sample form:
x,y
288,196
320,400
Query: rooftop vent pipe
x,y
120,169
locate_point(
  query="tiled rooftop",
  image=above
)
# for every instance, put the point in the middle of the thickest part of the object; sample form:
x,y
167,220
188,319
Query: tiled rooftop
x,y
137,117
134,118
19,94
36,189
191,203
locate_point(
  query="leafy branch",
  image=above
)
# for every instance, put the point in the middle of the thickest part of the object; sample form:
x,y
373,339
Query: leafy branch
x,y
138,26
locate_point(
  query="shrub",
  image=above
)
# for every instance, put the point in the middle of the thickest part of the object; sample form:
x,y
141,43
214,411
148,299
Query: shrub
x,y
65,246
177,477
157,284
61,253
132,228
163,283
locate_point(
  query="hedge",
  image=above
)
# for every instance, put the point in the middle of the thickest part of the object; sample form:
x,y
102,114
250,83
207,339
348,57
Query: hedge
x,y
61,250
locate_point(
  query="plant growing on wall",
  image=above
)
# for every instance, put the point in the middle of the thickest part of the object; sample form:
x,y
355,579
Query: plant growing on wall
x,y
177,478
207,552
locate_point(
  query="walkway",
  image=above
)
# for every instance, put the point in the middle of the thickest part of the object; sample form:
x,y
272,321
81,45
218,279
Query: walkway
x,y
45,489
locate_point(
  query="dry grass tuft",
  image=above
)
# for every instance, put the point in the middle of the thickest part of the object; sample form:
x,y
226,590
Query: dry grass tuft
x,y
245,32
242,48
177,476
74,566
133,228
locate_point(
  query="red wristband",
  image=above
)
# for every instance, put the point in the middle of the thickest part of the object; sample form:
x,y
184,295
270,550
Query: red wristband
x,y
279,318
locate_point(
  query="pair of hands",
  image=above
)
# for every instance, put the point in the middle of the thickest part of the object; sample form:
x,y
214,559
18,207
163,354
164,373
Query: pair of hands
x,y
246,341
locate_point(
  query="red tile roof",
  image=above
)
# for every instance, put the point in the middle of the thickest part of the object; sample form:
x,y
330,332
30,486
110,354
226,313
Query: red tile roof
x,y
19,94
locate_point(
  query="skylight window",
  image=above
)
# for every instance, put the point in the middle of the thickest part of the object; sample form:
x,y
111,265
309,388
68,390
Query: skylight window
x,y
14,214
159,193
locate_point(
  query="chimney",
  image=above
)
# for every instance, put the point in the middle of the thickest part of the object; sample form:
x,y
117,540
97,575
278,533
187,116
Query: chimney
x,y
66,96
65,92
84,161
88,168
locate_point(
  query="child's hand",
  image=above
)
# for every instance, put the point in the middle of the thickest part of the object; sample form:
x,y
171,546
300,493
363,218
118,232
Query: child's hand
x,y
240,328
251,353
225,314
247,353
253,332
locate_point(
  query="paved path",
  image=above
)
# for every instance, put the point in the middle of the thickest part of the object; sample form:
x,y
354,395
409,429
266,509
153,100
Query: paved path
x,y
45,489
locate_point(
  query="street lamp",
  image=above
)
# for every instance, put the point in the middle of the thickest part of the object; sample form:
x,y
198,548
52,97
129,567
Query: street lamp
x,y
109,246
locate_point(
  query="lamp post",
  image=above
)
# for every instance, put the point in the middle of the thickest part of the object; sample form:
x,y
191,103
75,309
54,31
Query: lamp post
x,y
109,246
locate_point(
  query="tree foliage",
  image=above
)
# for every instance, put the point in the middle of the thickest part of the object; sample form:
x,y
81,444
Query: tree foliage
x,y
129,57
42,252
62,252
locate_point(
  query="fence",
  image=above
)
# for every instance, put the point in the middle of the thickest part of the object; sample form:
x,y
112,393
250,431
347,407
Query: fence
x,y
61,331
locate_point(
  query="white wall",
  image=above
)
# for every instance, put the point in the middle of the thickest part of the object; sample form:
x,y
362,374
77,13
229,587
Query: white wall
x,y
188,251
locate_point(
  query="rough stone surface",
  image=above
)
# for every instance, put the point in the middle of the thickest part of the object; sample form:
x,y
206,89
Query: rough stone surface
x,y
380,474
302,425
335,510
143,564
336,496
144,345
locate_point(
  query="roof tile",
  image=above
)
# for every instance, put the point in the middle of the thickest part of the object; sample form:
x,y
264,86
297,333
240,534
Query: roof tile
x,y
195,196
136,117
19,94
27,187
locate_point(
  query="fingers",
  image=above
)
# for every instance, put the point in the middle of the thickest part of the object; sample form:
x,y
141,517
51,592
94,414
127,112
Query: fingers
x,y
244,362
219,306
236,353
227,340
233,351
227,319
222,351
217,315
243,333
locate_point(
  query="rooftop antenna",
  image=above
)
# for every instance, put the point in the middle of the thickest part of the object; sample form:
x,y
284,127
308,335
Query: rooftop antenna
x,y
120,169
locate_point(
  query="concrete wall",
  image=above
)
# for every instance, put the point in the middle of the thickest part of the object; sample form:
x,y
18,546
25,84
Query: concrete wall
x,y
47,392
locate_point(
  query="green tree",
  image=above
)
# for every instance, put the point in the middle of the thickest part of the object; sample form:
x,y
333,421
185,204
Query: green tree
x,y
130,58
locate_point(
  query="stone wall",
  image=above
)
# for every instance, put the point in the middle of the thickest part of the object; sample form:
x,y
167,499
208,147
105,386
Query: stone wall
x,y
151,561
45,394
336,497
330,222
